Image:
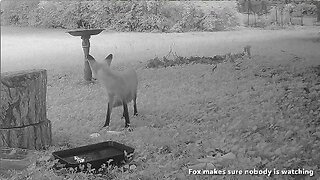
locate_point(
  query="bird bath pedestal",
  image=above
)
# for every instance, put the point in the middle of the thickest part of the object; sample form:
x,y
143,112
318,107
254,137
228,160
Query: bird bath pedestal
x,y
85,36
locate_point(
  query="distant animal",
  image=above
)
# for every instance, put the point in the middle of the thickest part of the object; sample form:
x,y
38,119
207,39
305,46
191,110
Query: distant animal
x,y
120,86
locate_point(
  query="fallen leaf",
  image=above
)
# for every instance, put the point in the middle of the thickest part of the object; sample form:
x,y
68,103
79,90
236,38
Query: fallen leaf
x,y
198,166
210,166
94,135
229,156
208,159
133,167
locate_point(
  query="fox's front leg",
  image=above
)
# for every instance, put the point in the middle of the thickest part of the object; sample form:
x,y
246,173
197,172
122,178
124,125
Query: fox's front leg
x,y
122,115
126,114
109,110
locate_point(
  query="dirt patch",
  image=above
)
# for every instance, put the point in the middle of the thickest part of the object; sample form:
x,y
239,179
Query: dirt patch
x,y
172,59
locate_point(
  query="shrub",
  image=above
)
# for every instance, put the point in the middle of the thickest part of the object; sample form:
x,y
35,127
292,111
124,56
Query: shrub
x,y
141,16
17,13
303,9
212,22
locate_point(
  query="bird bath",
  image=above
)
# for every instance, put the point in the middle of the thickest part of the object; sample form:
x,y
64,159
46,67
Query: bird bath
x,y
85,36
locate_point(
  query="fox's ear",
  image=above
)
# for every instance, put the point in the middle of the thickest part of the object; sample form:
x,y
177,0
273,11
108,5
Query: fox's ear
x,y
90,57
109,59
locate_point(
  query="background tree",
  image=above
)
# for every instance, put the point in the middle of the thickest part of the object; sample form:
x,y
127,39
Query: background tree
x,y
317,4
253,7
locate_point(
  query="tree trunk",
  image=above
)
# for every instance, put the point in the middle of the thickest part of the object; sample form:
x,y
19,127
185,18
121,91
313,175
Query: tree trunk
x,y
276,16
23,121
281,17
248,17
318,10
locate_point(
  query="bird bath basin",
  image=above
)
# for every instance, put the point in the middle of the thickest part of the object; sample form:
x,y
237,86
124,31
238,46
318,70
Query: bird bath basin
x,y
85,36
85,32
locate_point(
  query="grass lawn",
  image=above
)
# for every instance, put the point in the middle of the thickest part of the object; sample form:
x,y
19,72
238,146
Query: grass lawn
x,y
259,113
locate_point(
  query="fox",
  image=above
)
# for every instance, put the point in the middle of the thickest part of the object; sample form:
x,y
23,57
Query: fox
x,y
120,86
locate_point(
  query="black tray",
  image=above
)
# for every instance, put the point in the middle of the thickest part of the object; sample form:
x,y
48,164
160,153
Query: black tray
x,y
95,154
